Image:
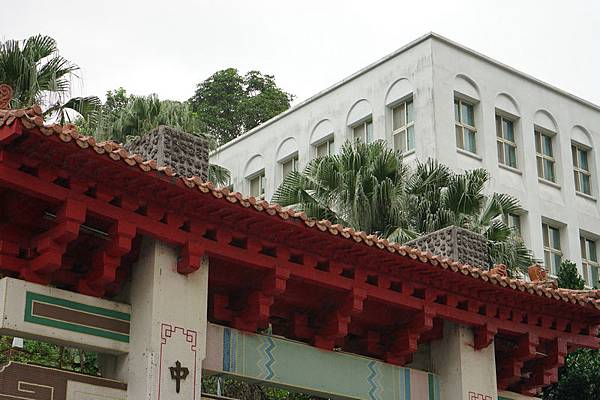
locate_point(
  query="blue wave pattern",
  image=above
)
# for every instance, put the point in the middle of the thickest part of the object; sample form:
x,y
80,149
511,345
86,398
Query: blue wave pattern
x,y
373,379
267,359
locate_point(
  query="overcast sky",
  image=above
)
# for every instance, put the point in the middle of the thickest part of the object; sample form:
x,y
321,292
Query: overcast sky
x,y
167,47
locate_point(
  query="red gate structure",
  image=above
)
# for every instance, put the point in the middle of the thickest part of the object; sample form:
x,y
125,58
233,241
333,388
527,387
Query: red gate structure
x,y
74,211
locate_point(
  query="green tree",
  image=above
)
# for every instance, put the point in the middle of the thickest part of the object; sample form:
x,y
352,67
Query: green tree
x,y
363,187
230,104
124,116
49,355
368,187
440,197
239,389
579,378
38,74
568,276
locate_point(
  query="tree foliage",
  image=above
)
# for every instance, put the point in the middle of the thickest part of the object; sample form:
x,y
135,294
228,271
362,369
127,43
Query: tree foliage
x,y
49,355
38,74
579,378
568,276
368,187
230,104
239,389
124,116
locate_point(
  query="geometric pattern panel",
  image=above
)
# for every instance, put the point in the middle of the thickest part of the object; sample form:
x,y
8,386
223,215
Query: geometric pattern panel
x,y
295,365
32,382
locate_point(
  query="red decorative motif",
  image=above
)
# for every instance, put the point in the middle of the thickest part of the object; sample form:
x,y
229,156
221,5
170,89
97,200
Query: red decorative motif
x,y
6,94
479,396
166,332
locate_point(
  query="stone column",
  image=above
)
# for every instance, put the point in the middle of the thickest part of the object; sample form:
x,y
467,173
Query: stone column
x,y
168,326
462,369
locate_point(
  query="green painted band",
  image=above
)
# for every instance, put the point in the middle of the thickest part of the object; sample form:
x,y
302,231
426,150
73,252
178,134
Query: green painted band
x,y
30,296
29,317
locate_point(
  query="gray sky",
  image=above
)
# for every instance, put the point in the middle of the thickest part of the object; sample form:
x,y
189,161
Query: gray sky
x,y
166,47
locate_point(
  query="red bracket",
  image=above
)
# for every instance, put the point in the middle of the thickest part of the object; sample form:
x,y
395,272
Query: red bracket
x,y
483,336
8,133
509,371
335,325
105,262
406,339
190,257
52,244
257,304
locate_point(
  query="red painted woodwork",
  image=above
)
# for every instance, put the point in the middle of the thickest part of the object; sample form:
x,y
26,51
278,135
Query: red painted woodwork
x,y
75,219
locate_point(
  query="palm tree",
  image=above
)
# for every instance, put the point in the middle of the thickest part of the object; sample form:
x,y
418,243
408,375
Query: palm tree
x,y
362,187
123,117
440,197
38,74
367,187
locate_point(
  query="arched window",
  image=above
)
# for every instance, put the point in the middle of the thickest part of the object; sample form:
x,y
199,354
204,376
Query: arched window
x,y
545,131
399,100
581,153
322,139
360,121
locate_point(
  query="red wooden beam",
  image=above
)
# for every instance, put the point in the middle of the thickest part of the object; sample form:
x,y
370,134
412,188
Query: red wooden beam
x,y
52,244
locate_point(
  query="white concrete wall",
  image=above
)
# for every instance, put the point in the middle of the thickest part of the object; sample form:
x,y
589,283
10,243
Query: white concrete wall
x,y
532,101
338,108
436,68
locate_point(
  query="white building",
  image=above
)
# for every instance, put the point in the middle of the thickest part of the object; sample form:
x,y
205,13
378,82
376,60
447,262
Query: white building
x,y
436,98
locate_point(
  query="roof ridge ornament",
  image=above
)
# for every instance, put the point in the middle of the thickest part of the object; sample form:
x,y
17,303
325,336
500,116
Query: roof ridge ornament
x,y
6,94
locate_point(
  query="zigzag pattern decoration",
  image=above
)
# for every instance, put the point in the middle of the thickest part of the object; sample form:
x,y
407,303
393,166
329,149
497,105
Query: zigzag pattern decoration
x,y
374,381
267,359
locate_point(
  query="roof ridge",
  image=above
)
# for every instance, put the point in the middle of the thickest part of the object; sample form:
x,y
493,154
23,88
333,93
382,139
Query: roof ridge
x,y
31,118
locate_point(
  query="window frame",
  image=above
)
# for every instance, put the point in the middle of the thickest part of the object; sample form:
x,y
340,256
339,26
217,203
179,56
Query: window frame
x,y
364,124
539,153
294,159
329,141
509,221
578,171
403,129
262,183
460,124
503,141
586,261
549,251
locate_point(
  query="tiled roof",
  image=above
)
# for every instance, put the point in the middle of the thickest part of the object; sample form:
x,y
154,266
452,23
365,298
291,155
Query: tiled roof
x,y
32,118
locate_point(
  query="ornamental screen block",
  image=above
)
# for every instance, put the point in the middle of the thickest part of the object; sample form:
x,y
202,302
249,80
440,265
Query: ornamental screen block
x,y
456,243
187,154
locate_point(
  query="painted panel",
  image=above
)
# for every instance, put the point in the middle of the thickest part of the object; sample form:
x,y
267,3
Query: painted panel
x,y
301,367
80,391
505,395
64,317
77,317
33,382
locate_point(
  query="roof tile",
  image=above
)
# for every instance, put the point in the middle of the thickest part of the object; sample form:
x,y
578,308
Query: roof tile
x,y
32,118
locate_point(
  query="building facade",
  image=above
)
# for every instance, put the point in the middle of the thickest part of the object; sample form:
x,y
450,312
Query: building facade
x,y
435,98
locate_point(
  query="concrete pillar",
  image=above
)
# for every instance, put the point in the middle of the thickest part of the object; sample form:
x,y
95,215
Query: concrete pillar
x,y
168,326
463,371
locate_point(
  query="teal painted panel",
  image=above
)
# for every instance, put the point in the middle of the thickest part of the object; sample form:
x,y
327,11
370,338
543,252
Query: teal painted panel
x,y
306,368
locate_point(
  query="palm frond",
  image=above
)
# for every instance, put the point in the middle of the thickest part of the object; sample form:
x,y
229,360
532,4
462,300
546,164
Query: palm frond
x,y
218,175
